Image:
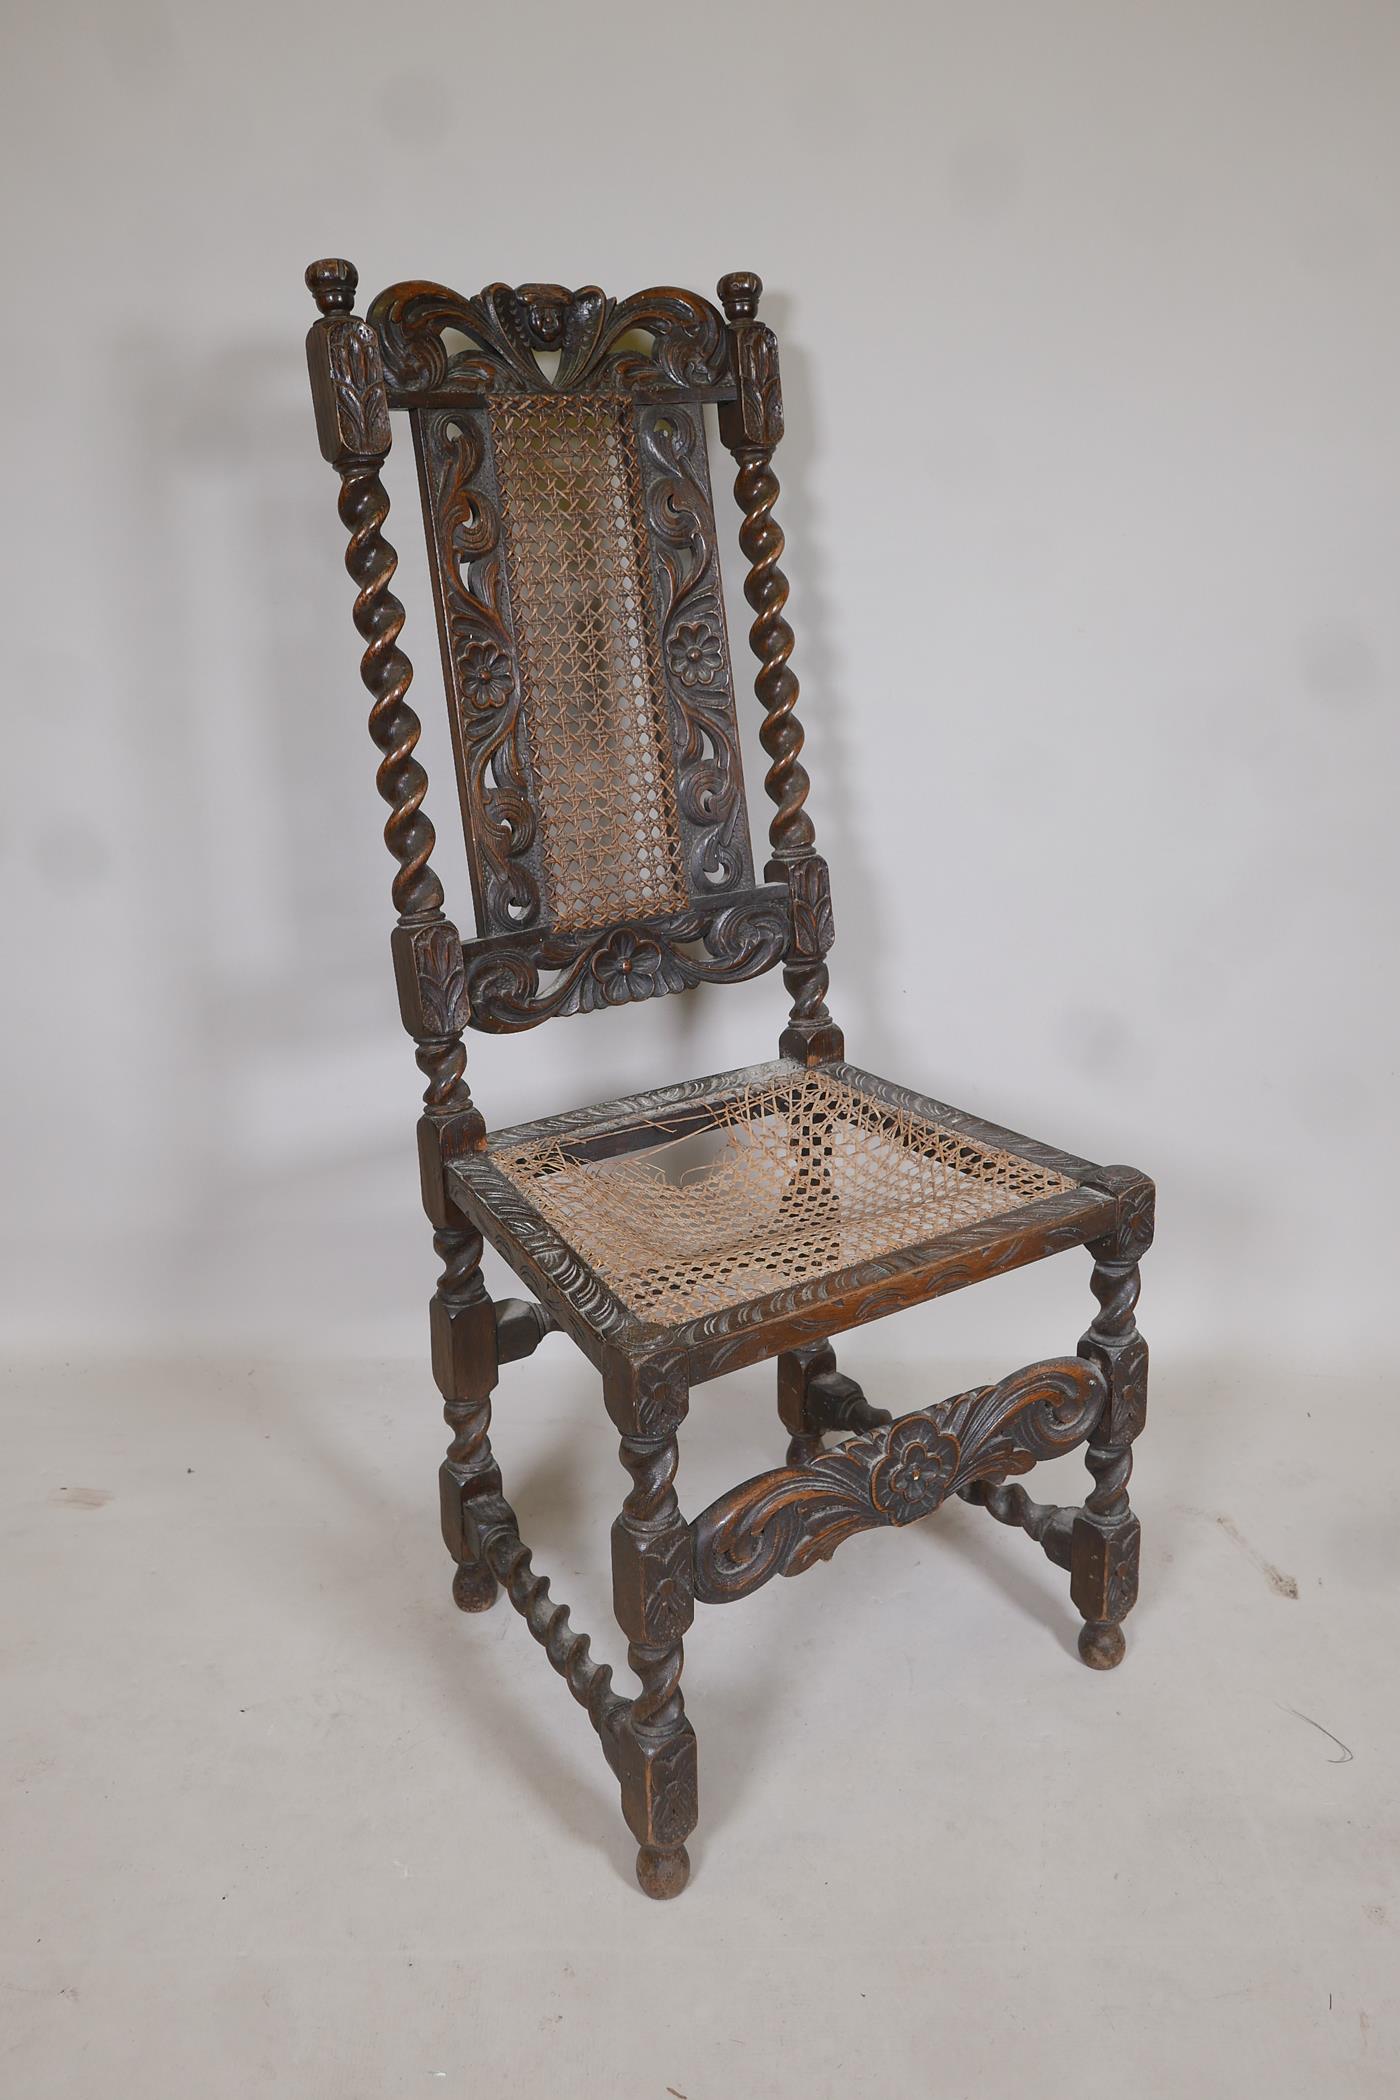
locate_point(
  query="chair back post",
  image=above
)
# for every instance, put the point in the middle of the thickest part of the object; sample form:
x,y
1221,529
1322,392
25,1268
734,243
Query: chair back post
x,y
352,423
751,425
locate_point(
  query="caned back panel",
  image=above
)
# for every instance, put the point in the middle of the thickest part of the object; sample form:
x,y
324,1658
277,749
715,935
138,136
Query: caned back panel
x,y
578,567
572,541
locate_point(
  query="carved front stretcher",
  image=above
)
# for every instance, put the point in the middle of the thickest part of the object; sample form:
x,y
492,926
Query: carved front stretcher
x,y
782,1522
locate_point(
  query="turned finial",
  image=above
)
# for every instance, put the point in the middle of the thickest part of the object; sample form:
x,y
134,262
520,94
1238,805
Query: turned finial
x,y
740,293
331,283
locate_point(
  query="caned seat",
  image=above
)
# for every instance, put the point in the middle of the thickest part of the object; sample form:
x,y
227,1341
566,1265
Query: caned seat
x,y
562,441
730,1203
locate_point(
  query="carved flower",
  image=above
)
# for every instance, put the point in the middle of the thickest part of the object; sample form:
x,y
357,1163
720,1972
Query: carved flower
x,y
485,674
627,968
912,1477
1135,1219
695,651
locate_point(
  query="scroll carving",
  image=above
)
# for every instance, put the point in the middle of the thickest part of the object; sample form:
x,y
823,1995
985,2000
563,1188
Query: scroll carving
x,y
498,789
505,327
694,648
505,981
479,661
782,1522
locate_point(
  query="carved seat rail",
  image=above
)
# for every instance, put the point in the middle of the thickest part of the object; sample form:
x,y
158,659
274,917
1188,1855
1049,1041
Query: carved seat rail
x,y
1039,1199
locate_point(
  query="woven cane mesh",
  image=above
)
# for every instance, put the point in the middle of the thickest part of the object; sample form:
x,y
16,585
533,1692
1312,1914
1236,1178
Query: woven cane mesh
x,y
810,1177
595,709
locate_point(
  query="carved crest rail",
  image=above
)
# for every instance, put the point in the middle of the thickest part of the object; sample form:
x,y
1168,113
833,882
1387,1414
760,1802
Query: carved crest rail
x,y
781,1522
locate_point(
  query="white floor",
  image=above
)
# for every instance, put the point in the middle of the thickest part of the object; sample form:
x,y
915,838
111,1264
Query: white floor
x,y
282,1821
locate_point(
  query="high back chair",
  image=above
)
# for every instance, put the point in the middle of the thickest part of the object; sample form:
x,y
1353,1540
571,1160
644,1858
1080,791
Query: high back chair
x,y
562,461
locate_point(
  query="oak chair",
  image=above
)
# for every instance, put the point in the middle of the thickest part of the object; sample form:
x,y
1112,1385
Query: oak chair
x,y
561,449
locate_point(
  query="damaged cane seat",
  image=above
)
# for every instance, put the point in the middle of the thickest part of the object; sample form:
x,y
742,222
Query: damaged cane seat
x,y
818,1183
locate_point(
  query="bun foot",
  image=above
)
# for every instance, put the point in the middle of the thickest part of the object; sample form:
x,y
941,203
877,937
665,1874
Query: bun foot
x,y
1101,1644
474,1587
662,1874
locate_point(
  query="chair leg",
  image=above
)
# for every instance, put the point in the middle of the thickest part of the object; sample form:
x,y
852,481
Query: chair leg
x,y
465,1366
1106,1538
653,1596
813,1397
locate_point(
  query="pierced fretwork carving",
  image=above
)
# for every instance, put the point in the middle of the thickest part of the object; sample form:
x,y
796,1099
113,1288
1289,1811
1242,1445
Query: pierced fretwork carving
x,y
742,936
782,1522
506,327
695,648
583,639
494,777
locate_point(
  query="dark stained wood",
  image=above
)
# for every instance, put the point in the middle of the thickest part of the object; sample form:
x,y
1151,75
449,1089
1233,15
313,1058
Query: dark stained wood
x,y
1049,1524
649,365
476,623
654,1603
1106,1539
743,934
521,1325
782,1523
814,1397
506,327
596,340
751,426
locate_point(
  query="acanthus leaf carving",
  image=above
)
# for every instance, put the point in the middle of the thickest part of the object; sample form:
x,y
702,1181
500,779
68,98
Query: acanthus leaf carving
x,y
759,385
784,1521
442,980
506,326
813,923
488,725
348,389
694,648
743,937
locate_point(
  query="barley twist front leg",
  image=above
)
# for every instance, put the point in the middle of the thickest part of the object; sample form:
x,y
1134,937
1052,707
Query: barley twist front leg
x,y
1106,1539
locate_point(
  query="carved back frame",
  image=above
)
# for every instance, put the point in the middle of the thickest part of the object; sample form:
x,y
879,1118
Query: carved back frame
x,y
573,552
